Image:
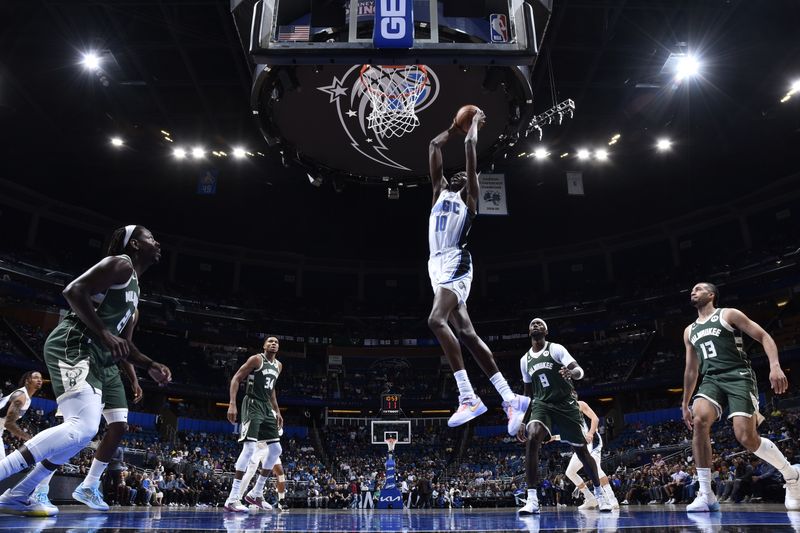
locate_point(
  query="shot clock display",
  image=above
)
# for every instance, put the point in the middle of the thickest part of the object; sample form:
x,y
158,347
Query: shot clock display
x,y
390,404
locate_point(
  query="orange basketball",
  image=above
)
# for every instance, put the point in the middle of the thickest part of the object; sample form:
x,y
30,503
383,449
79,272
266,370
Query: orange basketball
x,y
464,117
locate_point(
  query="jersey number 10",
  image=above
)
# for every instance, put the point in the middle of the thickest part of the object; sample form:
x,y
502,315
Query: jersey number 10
x,y
441,223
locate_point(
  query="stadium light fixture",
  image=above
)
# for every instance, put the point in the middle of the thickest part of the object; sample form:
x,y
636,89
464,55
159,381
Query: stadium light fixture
x,y
198,152
540,153
795,87
601,155
179,153
239,152
117,142
584,154
688,67
662,145
91,61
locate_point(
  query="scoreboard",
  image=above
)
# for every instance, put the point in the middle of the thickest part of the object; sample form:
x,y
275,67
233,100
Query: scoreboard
x,y
390,404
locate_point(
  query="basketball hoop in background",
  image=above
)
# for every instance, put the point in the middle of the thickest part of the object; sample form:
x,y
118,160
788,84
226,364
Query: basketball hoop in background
x,y
393,92
390,442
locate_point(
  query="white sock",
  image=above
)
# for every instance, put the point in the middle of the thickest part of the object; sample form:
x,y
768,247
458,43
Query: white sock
x,y
587,494
258,489
464,386
502,387
704,477
13,463
234,495
532,496
95,471
281,495
770,453
29,483
44,485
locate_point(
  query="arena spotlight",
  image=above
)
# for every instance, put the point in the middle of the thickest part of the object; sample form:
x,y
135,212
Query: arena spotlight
x,y
584,154
90,61
601,155
795,87
239,152
687,67
198,152
117,142
179,153
540,153
662,145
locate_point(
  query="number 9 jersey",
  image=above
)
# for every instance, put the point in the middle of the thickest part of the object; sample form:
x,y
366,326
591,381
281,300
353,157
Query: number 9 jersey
x,y
542,369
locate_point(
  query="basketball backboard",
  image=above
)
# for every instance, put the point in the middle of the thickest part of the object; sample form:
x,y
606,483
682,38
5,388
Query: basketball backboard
x,y
383,429
314,106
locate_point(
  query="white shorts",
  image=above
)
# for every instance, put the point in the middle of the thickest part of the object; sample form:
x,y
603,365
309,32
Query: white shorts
x,y
452,269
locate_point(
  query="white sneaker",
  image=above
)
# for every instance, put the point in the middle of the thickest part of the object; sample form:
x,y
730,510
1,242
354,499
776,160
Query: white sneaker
x,y
258,501
515,410
90,496
792,500
235,506
589,503
471,407
23,505
703,504
41,498
530,507
603,504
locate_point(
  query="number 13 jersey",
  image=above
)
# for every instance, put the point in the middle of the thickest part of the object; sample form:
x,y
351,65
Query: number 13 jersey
x,y
718,345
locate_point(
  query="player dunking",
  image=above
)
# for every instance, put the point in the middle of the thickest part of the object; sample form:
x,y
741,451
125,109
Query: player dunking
x,y
595,443
79,352
261,421
16,404
450,269
546,370
714,347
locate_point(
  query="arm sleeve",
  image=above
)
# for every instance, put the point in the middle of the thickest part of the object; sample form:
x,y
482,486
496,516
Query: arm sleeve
x,y
523,370
561,355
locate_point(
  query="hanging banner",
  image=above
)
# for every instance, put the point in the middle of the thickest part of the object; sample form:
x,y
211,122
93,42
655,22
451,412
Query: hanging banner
x,y
492,200
575,183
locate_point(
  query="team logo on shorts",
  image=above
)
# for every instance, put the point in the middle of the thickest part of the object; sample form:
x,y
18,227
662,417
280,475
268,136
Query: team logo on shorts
x,y
72,376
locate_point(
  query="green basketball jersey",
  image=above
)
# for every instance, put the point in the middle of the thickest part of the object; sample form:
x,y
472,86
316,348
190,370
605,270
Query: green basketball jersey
x,y
261,382
548,384
115,308
717,345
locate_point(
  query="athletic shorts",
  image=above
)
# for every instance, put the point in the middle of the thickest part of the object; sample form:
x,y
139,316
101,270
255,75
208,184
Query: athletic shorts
x,y
564,419
258,422
452,269
114,399
74,360
735,391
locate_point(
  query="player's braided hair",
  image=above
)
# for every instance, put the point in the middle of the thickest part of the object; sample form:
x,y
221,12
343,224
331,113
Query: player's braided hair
x,y
116,247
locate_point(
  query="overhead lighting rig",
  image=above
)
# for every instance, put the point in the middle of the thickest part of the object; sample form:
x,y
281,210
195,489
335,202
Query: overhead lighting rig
x,y
554,114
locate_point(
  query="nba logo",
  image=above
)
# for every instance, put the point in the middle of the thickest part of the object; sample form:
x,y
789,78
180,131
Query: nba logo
x,y
498,24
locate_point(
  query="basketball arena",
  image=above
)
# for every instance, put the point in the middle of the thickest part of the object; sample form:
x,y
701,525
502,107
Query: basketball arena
x,y
400,265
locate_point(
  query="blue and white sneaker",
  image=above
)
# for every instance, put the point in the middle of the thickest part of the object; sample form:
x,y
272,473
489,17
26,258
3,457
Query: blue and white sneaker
x,y
40,497
515,411
703,503
23,505
470,407
90,496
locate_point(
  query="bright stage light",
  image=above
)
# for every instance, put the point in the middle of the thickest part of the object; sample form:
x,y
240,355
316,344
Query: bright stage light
x,y
583,153
91,61
663,145
198,152
239,152
179,153
540,153
116,141
601,155
687,67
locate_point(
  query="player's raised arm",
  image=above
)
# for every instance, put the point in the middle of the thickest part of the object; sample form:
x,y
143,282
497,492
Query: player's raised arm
x,y
470,150
438,180
740,321
689,378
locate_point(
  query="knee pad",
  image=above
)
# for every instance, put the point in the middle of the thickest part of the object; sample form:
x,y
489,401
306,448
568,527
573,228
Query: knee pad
x,y
572,470
248,449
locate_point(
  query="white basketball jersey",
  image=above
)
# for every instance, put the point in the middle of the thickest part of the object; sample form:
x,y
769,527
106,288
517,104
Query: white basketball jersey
x,y
449,223
4,405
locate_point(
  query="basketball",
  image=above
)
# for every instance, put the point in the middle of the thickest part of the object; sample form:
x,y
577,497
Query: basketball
x,y
464,117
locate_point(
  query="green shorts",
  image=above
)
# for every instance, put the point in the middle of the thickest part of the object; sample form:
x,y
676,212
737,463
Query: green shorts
x,y
563,419
735,391
74,360
258,422
113,389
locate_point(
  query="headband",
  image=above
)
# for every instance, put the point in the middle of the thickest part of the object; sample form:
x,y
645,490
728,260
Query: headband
x,y
540,320
128,232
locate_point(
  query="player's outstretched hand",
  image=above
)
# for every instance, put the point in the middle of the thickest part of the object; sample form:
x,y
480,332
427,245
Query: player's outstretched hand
x,y
160,373
688,419
232,412
777,379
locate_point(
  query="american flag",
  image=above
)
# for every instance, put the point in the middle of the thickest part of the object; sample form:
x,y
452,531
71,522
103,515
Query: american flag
x,y
293,33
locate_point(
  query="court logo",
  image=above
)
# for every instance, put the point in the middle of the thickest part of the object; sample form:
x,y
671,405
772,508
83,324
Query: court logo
x,y
353,107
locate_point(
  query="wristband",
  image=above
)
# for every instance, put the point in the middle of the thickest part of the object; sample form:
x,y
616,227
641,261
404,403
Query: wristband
x,y
577,370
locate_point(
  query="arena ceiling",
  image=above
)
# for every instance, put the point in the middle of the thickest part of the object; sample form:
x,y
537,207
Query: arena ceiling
x,y
176,66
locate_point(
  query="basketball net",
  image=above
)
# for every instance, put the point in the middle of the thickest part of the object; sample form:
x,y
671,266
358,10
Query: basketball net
x,y
393,91
390,442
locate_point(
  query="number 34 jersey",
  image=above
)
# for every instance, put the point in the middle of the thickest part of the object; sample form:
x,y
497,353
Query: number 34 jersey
x,y
718,345
542,370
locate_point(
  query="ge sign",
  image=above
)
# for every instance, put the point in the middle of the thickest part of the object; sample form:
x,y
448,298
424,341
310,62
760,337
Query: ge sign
x,y
394,24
